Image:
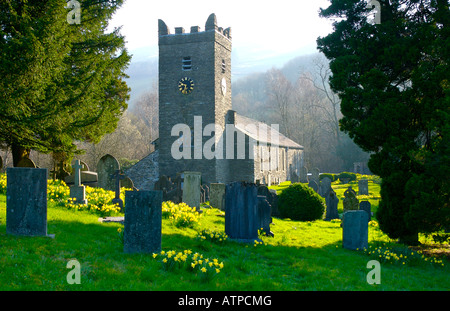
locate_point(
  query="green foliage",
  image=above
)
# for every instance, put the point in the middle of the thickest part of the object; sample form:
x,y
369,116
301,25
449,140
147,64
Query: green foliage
x,y
347,176
392,79
300,202
332,177
60,82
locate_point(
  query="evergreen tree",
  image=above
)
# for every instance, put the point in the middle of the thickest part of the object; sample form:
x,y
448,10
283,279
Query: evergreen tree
x,y
393,79
61,81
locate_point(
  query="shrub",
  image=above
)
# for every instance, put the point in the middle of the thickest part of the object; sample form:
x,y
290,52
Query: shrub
x,y
300,202
346,175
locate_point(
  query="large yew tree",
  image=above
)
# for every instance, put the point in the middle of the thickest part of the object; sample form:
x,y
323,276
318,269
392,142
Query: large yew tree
x,y
61,81
392,76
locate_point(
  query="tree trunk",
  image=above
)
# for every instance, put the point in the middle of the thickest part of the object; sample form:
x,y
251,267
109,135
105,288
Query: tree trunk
x,y
19,153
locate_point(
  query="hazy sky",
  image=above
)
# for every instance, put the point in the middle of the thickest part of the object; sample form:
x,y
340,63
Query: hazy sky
x,y
275,26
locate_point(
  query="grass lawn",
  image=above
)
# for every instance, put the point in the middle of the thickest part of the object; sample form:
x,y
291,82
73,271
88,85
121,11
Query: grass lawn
x,y
301,256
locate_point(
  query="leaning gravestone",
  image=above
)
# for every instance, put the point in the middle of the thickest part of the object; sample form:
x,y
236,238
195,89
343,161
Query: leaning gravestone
x,y
26,201
355,233
217,195
350,201
78,191
241,211
332,202
143,222
191,189
366,206
107,166
363,187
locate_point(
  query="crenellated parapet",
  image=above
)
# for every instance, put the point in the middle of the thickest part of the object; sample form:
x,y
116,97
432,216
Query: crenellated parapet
x,y
211,25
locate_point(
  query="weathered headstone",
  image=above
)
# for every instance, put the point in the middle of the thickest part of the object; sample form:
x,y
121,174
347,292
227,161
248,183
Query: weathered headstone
x,y
273,201
325,186
332,202
143,222
350,201
107,166
241,211
26,201
366,206
127,183
304,174
355,232
191,189
363,187
117,176
204,193
313,184
264,215
217,196
78,191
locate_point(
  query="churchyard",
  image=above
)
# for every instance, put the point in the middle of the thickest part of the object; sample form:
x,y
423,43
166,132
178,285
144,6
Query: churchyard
x,y
191,251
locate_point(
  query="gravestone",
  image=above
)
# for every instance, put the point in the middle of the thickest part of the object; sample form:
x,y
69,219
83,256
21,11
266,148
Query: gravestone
x,y
117,177
1,163
26,201
127,183
88,178
366,206
273,201
107,166
350,201
355,232
217,196
78,191
313,184
332,202
304,174
204,193
315,175
325,186
143,222
191,189
363,187
264,215
241,211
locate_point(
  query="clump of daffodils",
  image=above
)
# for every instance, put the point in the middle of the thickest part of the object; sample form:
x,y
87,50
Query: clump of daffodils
x,y
212,236
403,256
205,268
181,214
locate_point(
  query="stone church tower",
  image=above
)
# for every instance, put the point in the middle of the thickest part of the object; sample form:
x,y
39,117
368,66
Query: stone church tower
x,y
194,82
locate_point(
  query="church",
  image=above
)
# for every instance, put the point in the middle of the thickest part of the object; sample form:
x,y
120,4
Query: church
x,y
198,130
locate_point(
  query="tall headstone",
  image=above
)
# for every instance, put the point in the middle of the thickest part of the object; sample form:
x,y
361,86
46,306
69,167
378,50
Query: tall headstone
x,y
350,201
363,187
191,189
304,174
332,202
78,191
26,201
355,232
143,222
217,196
107,166
325,186
366,206
241,211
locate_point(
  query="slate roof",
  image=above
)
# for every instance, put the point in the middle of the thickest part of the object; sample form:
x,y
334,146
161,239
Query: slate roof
x,y
247,126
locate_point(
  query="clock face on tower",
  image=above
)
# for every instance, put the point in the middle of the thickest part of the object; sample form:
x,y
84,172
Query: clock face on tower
x,y
186,85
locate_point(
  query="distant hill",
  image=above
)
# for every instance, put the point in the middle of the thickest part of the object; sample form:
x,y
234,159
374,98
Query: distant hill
x,y
143,69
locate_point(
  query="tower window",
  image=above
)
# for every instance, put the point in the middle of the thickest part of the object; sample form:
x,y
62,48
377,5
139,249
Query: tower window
x,y
186,63
224,66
